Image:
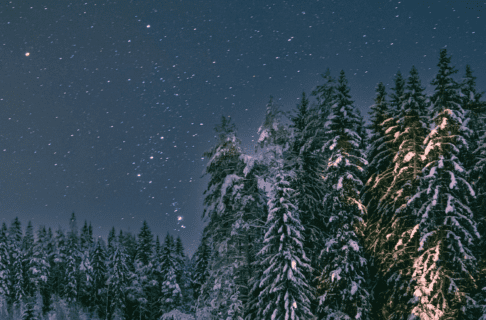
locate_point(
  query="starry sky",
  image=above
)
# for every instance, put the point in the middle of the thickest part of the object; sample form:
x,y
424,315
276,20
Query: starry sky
x,y
106,107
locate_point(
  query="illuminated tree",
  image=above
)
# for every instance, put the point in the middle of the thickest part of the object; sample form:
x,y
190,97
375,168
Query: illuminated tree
x,y
444,270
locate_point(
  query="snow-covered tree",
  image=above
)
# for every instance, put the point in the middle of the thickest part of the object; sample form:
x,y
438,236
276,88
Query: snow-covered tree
x,y
170,291
117,282
445,268
4,261
475,111
97,287
379,151
58,265
393,248
27,251
72,262
343,289
308,137
201,264
286,293
37,267
47,289
136,294
16,278
145,244
479,179
226,170
85,268
183,275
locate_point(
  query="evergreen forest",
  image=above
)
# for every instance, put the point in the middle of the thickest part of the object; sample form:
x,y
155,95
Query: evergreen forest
x,y
331,217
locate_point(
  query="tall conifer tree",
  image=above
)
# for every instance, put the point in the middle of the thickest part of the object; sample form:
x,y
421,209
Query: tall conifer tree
x,y
286,293
343,284
445,268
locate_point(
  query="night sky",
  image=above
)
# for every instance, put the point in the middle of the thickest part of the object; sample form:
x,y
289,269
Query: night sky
x,y
106,107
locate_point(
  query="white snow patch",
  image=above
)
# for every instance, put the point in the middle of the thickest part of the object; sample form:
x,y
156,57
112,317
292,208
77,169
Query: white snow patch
x,y
354,287
408,157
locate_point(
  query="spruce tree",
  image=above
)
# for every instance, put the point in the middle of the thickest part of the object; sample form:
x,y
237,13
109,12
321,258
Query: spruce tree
x,y
379,151
343,288
86,238
479,181
145,244
27,253
4,261
58,265
445,269
475,108
379,154
395,248
221,202
111,240
38,264
47,288
170,291
183,275
305,158
16,278
72,262
136,294
97,287
286,293
201,262
117,282
85,268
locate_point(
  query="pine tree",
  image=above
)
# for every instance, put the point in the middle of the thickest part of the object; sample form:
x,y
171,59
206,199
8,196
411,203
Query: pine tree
x,y
111,240
471,103
117,282
286,293
222,202
343,285
201,262
479,180
85,268
86,239
136,294
58,265
305,157
170,291
38,264
158,247
182,275
47,288
27,252
16,279
383,147
379,151
391,244
73,259
97,287
445,268
145,244
130,244
4,262
379,154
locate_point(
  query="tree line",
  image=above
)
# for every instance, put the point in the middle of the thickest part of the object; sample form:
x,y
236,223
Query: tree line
x,y
333,218
58,275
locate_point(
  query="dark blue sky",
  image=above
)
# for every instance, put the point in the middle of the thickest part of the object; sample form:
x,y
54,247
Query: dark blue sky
x,y
106,107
